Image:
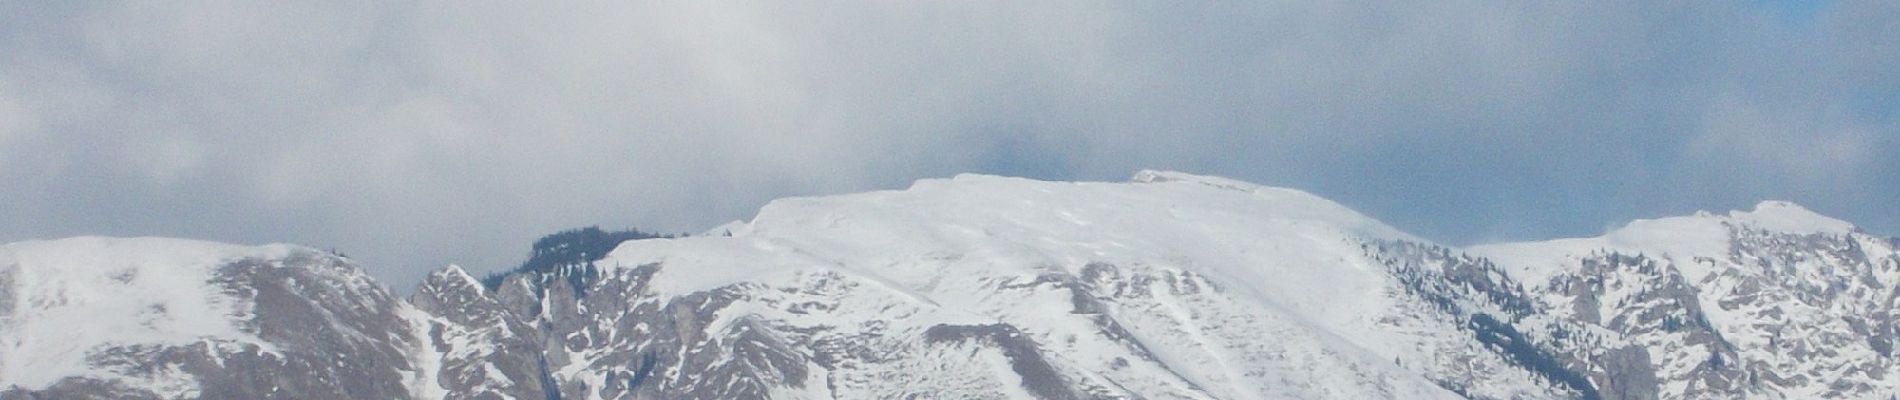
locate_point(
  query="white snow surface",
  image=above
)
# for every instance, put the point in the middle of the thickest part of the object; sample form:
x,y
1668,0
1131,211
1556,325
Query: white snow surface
x,y
1787,217
424,383
1294,245
909,236
72,296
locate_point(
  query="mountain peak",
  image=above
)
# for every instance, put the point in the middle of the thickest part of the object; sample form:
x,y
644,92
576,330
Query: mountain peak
x,y
1783,216
911,238
1702,234
452,274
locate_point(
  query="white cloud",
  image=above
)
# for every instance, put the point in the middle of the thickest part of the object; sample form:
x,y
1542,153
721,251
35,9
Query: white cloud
x,y
16,122
1795,140
418,134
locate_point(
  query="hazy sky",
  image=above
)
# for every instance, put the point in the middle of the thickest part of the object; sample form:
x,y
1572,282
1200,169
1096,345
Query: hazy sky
x,y
415,134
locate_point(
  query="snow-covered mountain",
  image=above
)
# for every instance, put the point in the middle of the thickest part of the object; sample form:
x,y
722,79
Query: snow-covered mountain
x,y
1170,286
1778,302
165,318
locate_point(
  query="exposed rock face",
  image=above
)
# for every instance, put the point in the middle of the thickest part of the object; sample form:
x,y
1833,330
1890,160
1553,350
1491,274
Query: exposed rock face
x,y
811,335
486,351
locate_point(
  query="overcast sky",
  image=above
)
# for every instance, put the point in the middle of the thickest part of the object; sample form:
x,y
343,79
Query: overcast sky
x,y
415,134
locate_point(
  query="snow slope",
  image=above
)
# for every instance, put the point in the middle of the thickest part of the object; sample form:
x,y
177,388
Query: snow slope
x,y
1282,241
134,318
1288,265
67,297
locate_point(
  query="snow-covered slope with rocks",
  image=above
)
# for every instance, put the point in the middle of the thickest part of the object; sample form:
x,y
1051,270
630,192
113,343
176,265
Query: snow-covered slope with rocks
x,y
1170,286
143,318
155,292
1778,302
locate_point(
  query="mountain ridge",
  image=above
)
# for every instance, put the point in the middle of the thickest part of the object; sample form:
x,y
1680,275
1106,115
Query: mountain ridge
x,y
1171,285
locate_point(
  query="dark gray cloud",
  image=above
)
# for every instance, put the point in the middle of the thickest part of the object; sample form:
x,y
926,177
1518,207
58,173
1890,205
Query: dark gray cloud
x,y
413,135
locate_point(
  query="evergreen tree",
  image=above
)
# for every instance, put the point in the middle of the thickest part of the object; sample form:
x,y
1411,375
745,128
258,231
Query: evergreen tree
x,y
573,248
